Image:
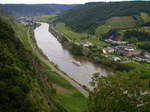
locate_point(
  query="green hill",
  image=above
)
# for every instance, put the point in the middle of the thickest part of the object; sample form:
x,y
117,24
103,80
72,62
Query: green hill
x,y
89,16
19,76
34,9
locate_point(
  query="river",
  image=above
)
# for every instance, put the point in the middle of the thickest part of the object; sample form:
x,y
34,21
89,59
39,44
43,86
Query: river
x,y
55,52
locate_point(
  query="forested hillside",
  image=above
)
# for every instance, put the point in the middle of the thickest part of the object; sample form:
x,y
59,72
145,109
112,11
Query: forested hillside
x,y
34,9
127,92
21,77
91,15
29,81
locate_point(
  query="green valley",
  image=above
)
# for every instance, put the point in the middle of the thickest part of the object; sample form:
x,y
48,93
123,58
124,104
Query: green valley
x,y
92,57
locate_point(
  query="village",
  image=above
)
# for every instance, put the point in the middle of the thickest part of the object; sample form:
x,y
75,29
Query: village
x,y
27,21
123,49
119,50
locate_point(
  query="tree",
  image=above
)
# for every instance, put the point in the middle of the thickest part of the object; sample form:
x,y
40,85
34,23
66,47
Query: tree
x,y
119,93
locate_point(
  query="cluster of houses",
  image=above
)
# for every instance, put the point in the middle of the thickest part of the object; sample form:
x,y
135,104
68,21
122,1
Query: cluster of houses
x,y
27,21
122,50
145,56
127,51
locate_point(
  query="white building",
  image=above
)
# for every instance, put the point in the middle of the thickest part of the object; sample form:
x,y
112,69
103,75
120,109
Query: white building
x,y
86,44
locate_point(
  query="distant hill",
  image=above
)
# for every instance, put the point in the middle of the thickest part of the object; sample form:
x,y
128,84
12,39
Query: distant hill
x,y
34,9
91,15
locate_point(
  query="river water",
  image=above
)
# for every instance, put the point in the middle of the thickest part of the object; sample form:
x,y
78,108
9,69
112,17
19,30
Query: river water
x,y
55,52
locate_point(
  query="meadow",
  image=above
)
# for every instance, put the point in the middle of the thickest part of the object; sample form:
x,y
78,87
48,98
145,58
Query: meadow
x,y
78,37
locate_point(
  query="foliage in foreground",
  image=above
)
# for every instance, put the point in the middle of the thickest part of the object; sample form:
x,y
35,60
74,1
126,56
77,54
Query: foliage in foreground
x,y
119,93
24,88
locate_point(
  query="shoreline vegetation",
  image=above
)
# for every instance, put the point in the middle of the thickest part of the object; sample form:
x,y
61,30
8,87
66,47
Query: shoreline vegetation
x,y
75,87
55,68
65,41
95,55
121,80
126,78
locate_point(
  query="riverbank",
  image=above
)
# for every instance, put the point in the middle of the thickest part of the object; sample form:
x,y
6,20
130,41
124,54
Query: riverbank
x,y
96,55
93,53
55,68
66,93
87,51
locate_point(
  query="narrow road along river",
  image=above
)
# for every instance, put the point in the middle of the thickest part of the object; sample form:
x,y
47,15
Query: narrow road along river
x,y
60,56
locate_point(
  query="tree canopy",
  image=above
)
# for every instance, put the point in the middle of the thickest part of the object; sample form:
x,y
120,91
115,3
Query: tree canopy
x,y
119,93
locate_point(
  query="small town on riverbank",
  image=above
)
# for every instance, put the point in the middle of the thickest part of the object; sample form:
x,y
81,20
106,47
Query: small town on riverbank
x,y
123,49
117,51
27,21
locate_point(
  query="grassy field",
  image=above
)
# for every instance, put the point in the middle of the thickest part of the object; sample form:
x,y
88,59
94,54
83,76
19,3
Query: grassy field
x,y
115,23
60,27
145,17
139,68
97,42
23,33
67,95
46,18
77,37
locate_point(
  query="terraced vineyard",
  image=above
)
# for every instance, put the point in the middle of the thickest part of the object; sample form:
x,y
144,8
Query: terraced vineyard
x,y
115,23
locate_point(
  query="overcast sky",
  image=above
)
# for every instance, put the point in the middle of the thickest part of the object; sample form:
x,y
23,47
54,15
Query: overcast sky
x,y
53,1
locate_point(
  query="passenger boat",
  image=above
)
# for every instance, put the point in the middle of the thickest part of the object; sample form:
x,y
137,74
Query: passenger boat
x,y
76,63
